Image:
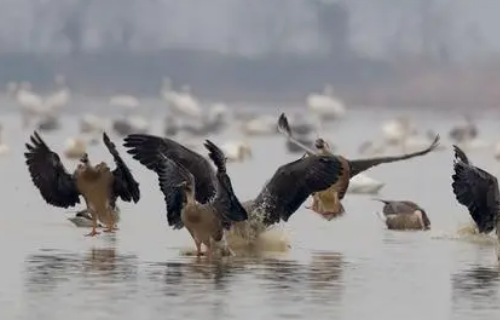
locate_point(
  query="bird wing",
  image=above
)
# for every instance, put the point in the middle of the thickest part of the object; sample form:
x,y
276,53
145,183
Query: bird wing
x,y
47,172
284,128
124,184
292,183
148,148
226,203
171,177
360,165
477,190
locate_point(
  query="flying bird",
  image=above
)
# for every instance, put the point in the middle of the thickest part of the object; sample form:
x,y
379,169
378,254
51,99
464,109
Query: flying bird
x,y
328,202
98,185
280,197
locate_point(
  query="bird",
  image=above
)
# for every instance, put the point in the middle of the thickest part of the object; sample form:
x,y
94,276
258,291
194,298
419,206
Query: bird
x,y
477,190
328,202
83,219
205,221
279,198
404,215
98,185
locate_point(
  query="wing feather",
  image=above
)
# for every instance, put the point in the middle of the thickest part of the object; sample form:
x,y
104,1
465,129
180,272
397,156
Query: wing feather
x,y
49,175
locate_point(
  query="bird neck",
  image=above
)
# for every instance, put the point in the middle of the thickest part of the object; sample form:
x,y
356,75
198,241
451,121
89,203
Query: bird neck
x,y
190,197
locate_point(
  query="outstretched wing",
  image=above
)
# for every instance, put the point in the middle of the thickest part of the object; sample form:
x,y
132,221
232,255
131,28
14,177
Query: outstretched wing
x,y
148,148
294,182
124,184
358,166
56,185
227,205
284,128
172,178
477,190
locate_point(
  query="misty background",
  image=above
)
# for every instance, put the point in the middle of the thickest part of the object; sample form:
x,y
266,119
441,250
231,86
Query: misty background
x,y
413,52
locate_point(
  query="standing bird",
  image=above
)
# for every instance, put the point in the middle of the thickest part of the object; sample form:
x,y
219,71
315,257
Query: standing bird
x,y
99,186
477,190
207,221
328,202
280,197
404,215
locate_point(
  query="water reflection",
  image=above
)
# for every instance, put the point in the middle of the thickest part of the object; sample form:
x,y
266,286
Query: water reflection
x,y
476,288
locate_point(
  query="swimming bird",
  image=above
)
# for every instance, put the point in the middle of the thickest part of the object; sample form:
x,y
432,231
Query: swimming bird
x,y
328,202
404,215
99,186
205,221
477,190
280,197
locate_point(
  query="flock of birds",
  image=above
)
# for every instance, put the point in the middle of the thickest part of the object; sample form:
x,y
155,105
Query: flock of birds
x,y
200,198
197,189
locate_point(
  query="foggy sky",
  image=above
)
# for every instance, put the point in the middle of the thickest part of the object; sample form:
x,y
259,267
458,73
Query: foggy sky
x,y
247,27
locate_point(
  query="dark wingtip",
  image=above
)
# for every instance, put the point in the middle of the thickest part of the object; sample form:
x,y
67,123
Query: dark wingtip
x,y
283,125
216,155
460,154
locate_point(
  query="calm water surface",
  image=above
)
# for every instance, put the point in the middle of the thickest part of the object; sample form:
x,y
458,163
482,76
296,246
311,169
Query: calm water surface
x,y
351,268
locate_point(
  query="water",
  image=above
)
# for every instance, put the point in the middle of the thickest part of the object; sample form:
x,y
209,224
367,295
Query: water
x,y
350,268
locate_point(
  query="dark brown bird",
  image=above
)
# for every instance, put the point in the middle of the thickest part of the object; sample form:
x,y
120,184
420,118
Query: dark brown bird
x,y
207,221
404,215
98,185
280,197
328,202
477,190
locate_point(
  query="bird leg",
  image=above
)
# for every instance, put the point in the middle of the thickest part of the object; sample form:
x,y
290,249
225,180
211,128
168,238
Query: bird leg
x,y
94,224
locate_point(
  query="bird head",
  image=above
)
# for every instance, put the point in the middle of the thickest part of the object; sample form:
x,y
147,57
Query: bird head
x,y
321,144
84,159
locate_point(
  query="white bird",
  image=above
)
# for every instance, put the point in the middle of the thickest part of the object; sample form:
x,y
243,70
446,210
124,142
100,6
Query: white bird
x,y
181,102
75,148
60,98
262,125
30,103
124,101
237,151
326,105
396,131
91,123
363,184
4,148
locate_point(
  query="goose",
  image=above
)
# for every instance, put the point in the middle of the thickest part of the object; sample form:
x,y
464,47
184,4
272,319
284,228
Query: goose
x,y
328,202
205,221
83,219
404,215
280,197
325,105
99,186
76,148
477,190
237,151
363,184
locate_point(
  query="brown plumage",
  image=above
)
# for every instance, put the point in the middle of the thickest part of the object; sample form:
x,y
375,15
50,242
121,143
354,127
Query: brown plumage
x,y
280,197
99,186
404,215
205,221
328,203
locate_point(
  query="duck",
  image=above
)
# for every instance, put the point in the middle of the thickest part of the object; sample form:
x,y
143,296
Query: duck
x,y
237,151
477,190
98,185
363,184
83,219
208,221
325,104
327,203
279,198
404,215
75,148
